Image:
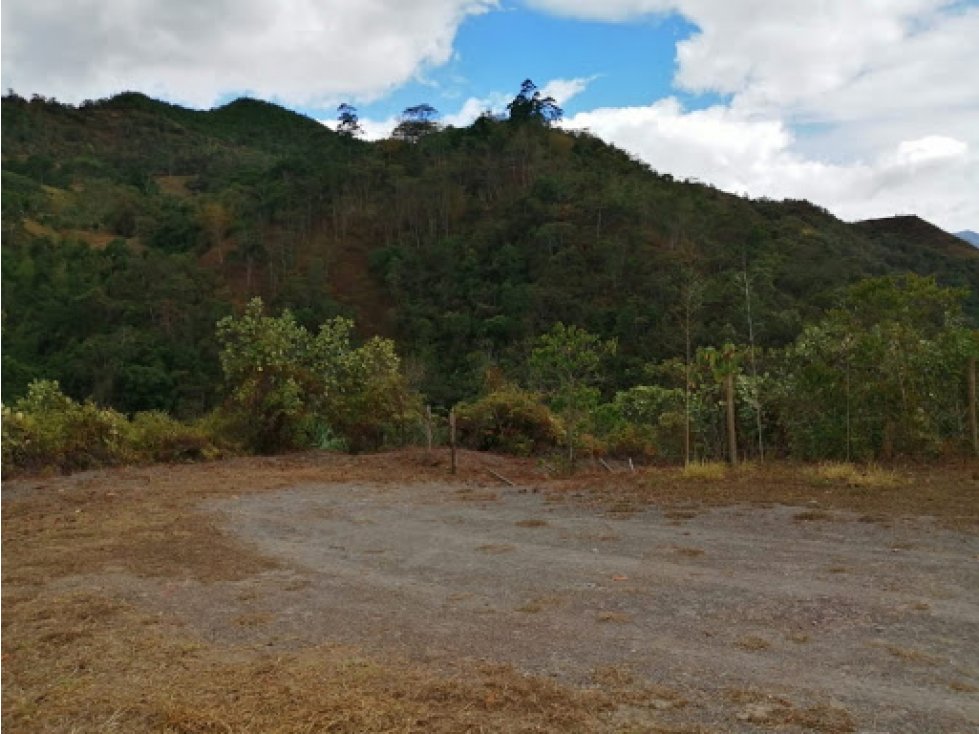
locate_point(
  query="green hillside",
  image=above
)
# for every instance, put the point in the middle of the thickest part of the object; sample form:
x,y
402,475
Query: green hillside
x,y
130,226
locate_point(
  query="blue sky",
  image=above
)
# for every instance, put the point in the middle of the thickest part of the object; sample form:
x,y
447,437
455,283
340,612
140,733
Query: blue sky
x,y
864,107
625,63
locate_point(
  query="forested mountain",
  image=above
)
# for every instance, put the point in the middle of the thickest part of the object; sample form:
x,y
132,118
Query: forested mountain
x,y
130,226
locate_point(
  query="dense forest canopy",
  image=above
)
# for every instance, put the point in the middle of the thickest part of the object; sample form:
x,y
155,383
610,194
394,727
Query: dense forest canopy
x,y
131,226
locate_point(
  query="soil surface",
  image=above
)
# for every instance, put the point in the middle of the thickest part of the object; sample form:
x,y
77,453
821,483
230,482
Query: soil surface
x,y
732,618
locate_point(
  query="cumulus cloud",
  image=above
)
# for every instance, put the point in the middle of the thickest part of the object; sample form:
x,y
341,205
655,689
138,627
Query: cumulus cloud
x,y
864,106
295,51
933,176
563,90
473,107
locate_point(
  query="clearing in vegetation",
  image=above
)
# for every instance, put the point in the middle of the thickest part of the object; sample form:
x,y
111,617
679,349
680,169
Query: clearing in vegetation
x,y
324,592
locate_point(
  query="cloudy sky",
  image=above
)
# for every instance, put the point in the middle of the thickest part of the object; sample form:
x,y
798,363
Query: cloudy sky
x,y
867,107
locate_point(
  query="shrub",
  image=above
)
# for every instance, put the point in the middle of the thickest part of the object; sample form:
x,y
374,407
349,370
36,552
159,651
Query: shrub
x,y
510,420
48,430
631,440
155,436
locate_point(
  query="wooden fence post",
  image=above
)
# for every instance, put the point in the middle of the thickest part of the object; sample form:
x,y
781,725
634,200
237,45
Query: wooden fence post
x,y
452,439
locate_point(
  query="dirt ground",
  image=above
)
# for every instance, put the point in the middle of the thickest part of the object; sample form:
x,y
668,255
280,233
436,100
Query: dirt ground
x,y
377,593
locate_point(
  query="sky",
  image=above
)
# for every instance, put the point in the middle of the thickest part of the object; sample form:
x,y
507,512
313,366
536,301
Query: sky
x,y
869,108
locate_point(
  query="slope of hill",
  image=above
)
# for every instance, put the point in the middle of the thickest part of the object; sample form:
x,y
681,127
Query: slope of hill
x,y
130,225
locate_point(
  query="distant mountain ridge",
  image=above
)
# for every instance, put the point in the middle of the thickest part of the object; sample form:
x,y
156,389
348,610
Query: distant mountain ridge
x,y
969,236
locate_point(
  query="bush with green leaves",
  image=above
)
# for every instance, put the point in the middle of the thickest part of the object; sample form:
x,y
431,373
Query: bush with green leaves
x,y
643,422
508,419
157,437
48,430
289,388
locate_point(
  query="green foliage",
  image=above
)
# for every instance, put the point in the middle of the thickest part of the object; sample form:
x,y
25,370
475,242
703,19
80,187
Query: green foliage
x,y
508,419
645,421
131,226
48,430
530,106
884,375
292,389
566,363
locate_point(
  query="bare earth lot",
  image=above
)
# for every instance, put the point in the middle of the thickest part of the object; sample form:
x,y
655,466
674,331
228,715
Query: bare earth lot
x,y
325,593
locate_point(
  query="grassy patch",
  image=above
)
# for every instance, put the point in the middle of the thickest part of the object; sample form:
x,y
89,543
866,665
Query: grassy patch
x,y
706,471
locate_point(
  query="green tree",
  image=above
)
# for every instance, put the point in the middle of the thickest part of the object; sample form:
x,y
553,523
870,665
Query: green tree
x,y
294,389
530,106
348,122
882,375
416,122
566,363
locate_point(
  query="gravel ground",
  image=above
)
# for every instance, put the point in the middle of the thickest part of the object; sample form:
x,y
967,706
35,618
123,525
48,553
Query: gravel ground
x,y
749,618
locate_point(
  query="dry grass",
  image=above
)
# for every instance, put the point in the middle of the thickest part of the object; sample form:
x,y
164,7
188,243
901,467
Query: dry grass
x,y
688,552
909,654
774,712
753,643
869,476
962,687
705,471
83,663
946,492
539,604
531,523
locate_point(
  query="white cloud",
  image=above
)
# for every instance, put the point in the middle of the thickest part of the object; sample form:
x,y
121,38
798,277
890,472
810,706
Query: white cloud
x,y
563,90
933,176
371,129
866,107
298,52
473,107
604,10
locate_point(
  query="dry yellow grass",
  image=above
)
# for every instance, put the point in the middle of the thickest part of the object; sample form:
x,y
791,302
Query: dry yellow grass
x,y
713,471
869,476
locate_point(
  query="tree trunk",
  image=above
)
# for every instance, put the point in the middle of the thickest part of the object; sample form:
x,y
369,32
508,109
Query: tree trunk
x,y
428,428
754,366
452,439
732,439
